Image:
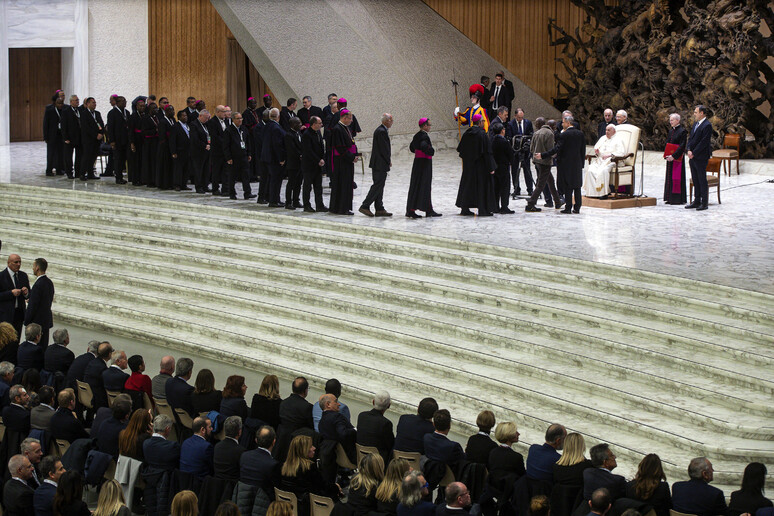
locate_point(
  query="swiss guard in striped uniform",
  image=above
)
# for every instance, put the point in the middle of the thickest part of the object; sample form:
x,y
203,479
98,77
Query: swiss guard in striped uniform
x,y
476,92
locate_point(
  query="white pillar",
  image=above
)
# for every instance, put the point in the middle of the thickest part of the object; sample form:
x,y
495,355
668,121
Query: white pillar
x,y
5,85
80,59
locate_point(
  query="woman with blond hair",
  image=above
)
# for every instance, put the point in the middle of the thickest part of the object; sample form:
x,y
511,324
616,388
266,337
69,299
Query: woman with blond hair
x,y
9,343
185,503
301,476
568,470
388,492
265,405
280,508
363,486
111,500
505,464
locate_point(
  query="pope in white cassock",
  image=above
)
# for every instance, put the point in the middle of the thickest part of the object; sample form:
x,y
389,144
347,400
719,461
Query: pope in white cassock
x,y
596,180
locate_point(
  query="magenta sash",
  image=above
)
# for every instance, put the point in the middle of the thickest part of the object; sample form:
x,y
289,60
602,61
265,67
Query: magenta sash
x,y
419,154
352,149
677,177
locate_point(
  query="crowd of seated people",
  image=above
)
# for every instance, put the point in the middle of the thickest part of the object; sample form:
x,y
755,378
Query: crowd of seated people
x,y
228,450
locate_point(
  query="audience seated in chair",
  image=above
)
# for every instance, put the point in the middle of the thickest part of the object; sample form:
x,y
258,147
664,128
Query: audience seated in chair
x,y
32,449
413,492
93,375
205,398
480,444
295,412
373,429
159,382
17,494
16,417
600,475
114,378
332,386
438,446
363,486
196,451
335,427
650,486
77,370
178,391
50,470
40,416
30,353
58,358
542,457
411,429
159,452
64,423
108,434
132,438
257,467
228,452
387,494
300,475
697,496
505,465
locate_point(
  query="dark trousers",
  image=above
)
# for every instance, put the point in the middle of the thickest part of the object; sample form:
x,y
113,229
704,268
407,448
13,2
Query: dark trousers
x,y
72,169
524,166
568,195
219,173
201,172
180,171
375,195
503,187
55,156
134,163
293,187
699,177
119,162
263,177
313,179
545,179
276,172
239,171
90,152
109,168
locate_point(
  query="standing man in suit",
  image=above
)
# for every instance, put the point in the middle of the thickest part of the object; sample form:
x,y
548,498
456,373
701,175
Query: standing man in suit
x,y
503,156
30,353
71,134
335,427
78,368
267,102
93,375
64,423
306,113
14,291
288,112
438,446
201,147
293,165
217,128
180,147
294,412
17,494
114,376
92,135
52,134
178,391
41,297
520,126
158,450
273,154
261,170
40,416
257,467
57,357
697,496
511,91
601,475
699,148
373,429
607,120
312,163
411,429
570,151
499,96
190,108
381,161
51,470
118,136
228,452
236,149
135,141
486,102
196,451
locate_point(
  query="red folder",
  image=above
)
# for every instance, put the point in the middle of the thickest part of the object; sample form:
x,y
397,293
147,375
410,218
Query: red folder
x,y
670,149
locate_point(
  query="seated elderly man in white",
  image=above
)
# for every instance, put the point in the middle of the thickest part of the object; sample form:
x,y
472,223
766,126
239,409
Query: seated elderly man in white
x,y
596,180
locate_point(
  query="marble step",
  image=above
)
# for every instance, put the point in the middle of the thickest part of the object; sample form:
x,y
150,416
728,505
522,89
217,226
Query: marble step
x,y
450,388
668,353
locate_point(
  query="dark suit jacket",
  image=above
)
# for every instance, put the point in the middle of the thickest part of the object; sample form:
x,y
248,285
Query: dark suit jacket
x,y
43,499
114,379
381,153
528,129
17,498
373,429
118,127
180,142
504,463
30,356
273,146
40,417
71,125
660,500
161,453
602,127
293,150
77,370
700,141
7,299
107,437
199,137
91,126
17,418
478,448
39,304
312,150
257,132
66,426
179,395
295,412
502,153
440,448
51,124
410,433
334,426
226,457
216,132
196,456
504,98
570,151
698,497
93,376
58,358
284,118
305,114
232,145
258,468
165,129
594,478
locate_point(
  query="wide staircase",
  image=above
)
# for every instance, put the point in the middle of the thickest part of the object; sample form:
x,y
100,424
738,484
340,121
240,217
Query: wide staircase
x,y
646,362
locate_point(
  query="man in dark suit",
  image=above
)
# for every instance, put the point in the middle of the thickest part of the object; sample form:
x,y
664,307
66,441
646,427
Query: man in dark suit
x,y
227,453
312,161
114,377
190,109
180,147
159,452
380,163
273,154
57,357
306,113
43,500
293,165
107,433
607,120
92,135
217,127
600,502
16,417
457,498
261,168
178,390
335,427
39,304
288,112
201,146
521,126
499,96
64,423
14,291
294,412
503,156
118,136
236,150
257,467
438,446
30,354
373,429
71,134
17,495
93,375
52,134
78,368
411,429
542,457
40,416
603,460
696,496
699,150
570,151
196,451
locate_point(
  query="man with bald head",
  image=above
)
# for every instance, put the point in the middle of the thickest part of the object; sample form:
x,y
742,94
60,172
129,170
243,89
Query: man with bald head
x,y
201,145
93,375
335,427
295,412
14,291
381,161
217,127
602,126
457,498
542,457
159,382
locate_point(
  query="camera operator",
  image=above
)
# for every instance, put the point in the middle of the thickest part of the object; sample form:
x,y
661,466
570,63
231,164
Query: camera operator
x,y
521,130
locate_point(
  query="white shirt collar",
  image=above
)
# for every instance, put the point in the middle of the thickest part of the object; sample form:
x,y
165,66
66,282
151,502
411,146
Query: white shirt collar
x,y
156,434
49,406
114,365
49,481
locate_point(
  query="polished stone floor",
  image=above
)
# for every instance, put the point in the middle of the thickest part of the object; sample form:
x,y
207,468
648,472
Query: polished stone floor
x,y
729,244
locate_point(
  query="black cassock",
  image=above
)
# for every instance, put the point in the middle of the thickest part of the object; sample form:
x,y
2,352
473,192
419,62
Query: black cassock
x,y
343,164
477,182
419,197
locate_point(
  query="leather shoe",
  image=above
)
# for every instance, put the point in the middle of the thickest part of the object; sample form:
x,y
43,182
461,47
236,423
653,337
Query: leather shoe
x,y
365,211
92,176
576,211
692,206
275,205
383,213
251,196
413,215
466,213
532,209
559,206
296,205
120,182
506,211
347,213
289,207
433,214
308,209
232,197
566,211
486,214
322,209
702,207
263,201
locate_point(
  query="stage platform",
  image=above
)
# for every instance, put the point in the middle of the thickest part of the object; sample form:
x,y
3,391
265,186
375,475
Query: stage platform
x,y
526,314
619,202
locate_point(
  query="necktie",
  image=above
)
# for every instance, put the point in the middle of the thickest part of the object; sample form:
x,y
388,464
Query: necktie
x,y
15,285
496,96
521,127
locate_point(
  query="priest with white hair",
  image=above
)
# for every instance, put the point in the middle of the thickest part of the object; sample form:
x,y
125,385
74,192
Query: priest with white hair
x,y
596,180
